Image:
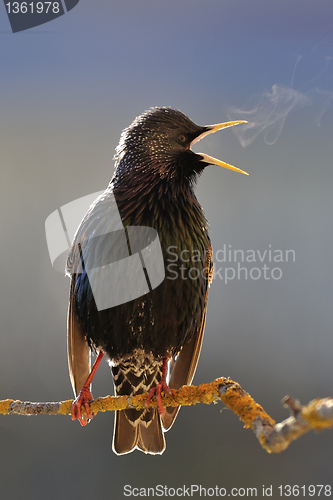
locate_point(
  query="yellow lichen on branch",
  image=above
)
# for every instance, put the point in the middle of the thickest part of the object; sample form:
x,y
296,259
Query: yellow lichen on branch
x,y
318,414
4,406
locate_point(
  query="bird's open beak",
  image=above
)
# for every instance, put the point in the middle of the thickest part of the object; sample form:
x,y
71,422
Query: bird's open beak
x,y
210,129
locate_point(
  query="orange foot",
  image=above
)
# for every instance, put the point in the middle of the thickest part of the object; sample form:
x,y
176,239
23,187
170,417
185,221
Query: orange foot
x,y
84,398
161,386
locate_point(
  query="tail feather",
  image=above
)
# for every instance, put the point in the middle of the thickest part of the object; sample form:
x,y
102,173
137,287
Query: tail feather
x,y
137,429
129,435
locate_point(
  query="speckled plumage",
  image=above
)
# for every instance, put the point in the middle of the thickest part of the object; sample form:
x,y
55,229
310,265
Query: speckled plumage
x,y
155,173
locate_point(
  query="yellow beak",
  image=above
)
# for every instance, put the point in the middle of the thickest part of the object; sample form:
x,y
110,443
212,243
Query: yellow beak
x,y
211,129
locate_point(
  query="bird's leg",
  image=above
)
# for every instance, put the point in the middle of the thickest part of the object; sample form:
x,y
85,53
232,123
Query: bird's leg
x,y
162,385
85,397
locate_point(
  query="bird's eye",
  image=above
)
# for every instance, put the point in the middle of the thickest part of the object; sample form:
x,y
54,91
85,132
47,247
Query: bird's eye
x,y
182,138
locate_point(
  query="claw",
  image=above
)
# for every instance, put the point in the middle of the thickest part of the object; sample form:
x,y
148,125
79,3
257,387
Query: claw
x,y
83,399
162,385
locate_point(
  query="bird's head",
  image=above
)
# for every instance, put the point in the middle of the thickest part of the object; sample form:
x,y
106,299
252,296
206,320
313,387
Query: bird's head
x,y
158,143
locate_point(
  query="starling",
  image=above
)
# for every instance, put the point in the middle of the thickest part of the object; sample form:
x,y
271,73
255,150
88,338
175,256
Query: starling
x,y
152,342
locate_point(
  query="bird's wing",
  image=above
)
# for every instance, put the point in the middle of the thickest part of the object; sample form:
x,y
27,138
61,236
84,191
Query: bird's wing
x,y
182,369
77,347
83,254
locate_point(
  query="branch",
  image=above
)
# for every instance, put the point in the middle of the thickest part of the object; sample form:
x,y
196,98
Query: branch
x,y
318,414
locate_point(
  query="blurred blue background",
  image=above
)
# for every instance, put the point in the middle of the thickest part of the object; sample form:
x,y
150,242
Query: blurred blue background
x,y
68,88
